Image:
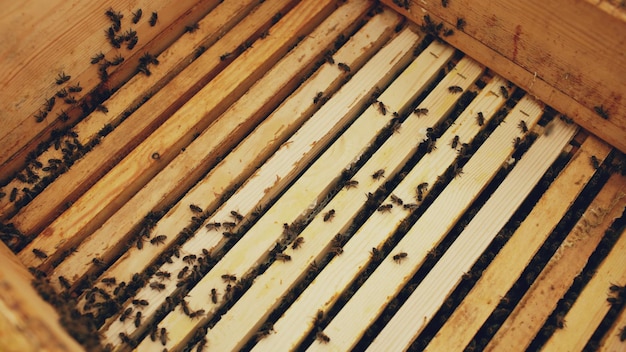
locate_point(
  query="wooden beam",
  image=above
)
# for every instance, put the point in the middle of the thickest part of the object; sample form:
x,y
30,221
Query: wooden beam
x,y
567,53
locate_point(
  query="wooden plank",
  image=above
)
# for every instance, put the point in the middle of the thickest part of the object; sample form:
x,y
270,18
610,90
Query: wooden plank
x,y
291,328
295,153
242,161
117,186
129,96
585,67
508,264
590,306
241,321
441,280
385,282
84,34
34,217
27,322
612,339
539,301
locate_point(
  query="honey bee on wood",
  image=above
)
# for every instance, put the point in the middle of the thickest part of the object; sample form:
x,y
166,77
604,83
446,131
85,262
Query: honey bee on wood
x,y
455,89
381,107
399,257
214,296
40,116
455,142
480,119
395,199
62,93
39,253
62,78
97,58
182,272
189,259
321,337
108,281
140,302
595,162
602,111
517,142
522,126
75,88
329,215
385,208
213,226
63,281
448,32
157,240
444,3
318,97
126,313
70,100
153,19
49,104
192,28
157,286
283,257
229,278
351,184
162,274
297,243
238,217
504,92
97,261
622,333
137,319
195,208
460,24
228,225
343,67
420,112
410,206
163,336
137,16
127,340
378,174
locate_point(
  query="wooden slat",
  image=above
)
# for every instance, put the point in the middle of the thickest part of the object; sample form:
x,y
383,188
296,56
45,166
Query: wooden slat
x,y
296,322
171,62
80,28
432,291
285,163
612,339
508,264
27,323
242,161
591,306
586,65
542,297
139,167
238,325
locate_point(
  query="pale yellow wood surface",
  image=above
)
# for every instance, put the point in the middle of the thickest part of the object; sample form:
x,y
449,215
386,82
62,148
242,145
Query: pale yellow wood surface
x,y
539,301
64,38
590,308
293,154
441,280
611,341
585,67
241,322
508,264
388,278
337,275
27,322
171,61
245,158
112,190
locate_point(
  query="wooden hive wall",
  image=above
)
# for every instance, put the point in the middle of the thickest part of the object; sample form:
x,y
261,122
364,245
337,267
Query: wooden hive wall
x,y
296,171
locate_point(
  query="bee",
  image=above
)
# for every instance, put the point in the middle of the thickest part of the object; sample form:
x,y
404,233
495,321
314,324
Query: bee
x,y
61,93
444,3
455,142
351,184
198,313
517,142
229,278
385,208
97,58
297,243
378,174
97,261
40,116
321,337
63,281
395,199
448,32
50,104
63,116
153,19
182,272
75,88
283,257
420,112
328,216
410,206
163,274
137,16
192,28
126,313
163,330
127,340
189,258
70,100
132,42
102,108
228,225
39,253
238,217
108,281
622,334
460,24
566,119
195,208
455,89
62,78
595,162
140,302
117,60
399,257
600,110
343,67
522,126
214,296
160,239
420,190
137,319
213,226
382,108
480,119
157,286
505,92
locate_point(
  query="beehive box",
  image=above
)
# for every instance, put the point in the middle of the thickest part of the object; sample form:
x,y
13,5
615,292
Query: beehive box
x,y
289,175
